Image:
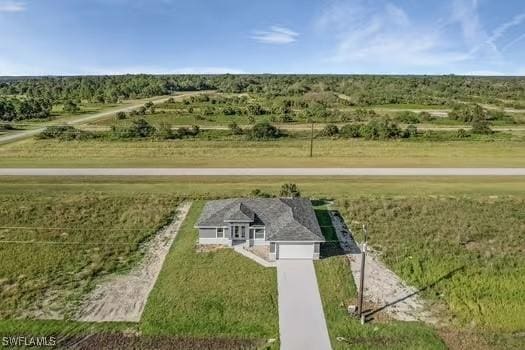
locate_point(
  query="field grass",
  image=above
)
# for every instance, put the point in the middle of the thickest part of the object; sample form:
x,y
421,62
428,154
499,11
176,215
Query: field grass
x,y
281,153
338,290
213,294
466,253
492,218
53,246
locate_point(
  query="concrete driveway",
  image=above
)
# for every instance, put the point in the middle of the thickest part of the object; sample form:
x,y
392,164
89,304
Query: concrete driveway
x,y
301,318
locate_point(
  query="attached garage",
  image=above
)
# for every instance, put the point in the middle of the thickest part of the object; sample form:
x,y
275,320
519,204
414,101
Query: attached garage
x,y
296,251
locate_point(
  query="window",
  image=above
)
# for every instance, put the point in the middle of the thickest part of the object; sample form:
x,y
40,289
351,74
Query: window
x,y
220,232
259,233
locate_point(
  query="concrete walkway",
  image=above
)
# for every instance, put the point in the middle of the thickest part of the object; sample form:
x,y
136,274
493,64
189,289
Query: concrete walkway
x,y
302,323
262,172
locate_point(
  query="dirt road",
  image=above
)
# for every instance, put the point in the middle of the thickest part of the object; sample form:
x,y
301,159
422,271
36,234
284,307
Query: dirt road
x,y
16,136
262,172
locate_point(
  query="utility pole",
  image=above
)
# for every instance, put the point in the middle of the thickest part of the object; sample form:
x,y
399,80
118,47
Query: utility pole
x,y
362,278
312,141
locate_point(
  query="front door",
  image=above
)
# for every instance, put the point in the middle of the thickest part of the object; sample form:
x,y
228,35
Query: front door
x,y
239,233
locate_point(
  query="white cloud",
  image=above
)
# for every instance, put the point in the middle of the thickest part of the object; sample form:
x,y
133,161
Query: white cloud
x,y
12,6
383,34
276,35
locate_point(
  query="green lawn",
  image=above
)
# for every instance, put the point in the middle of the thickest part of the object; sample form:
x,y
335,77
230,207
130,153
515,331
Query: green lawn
x,y
282,153
213,294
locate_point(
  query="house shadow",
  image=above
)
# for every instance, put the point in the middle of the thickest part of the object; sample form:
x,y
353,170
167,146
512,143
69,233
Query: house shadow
x,y
334,246
448,275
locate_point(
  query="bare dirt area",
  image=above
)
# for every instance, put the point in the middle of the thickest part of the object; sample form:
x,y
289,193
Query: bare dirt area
x,y
123,297
125,342
382,286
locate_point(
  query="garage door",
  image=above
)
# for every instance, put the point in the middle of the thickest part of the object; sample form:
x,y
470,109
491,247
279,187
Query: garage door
x,y
296,251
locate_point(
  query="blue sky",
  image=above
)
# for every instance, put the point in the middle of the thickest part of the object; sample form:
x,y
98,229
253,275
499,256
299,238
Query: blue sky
x,y
262,36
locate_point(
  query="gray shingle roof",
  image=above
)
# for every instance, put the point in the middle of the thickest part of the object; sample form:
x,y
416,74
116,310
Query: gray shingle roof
x,y
286,219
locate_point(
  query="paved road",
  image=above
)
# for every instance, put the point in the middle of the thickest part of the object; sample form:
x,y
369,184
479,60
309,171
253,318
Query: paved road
x,y
302,323
262,172
12,137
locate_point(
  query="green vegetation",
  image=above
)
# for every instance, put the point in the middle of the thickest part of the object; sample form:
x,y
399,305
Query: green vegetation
x,y
55,245
338,290
464,252
211,294
283,152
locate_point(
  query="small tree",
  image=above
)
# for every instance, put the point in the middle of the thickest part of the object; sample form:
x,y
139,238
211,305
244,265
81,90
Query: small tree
x,y
264,131
164,131
290,190
71,107
351,130
481,125
121,115
330,130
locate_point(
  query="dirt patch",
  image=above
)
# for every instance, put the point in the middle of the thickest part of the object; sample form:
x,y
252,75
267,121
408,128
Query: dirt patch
x,y
382,286
262,251
125,342
208,248
123,297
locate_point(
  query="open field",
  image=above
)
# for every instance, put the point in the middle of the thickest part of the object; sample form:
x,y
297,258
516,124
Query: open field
x,y
55,245
279,153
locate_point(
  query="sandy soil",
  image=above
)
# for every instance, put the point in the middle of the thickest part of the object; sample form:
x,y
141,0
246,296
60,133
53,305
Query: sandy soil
x,y
382,286
123,297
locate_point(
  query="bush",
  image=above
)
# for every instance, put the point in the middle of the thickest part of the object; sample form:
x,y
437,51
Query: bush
x,y
139,128
481,126
121,115
408,118
64,133
426,117
382,129
461,134
258,193
165,131
265,131
286,118
330,130
235,129
71,107
410,131
351,130
290,190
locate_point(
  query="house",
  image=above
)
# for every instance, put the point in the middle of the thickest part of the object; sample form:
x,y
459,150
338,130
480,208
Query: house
x,y
287,225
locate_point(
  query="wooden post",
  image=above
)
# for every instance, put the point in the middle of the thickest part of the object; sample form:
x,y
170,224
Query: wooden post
x,y
312,141
362,277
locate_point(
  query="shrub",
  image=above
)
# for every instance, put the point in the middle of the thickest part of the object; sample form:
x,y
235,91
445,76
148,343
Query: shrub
x,y
410,131
290,190
330,130
165,131
139,128
64,133
264,131
408,118
286,118
461,133
235,129
382,129
480,125
258,193
426,117
71,107
121,115
351,130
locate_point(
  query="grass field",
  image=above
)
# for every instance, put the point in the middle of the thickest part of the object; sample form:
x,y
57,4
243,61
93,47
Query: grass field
x,y
213,294
488,239
54,245
281,153
463,252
